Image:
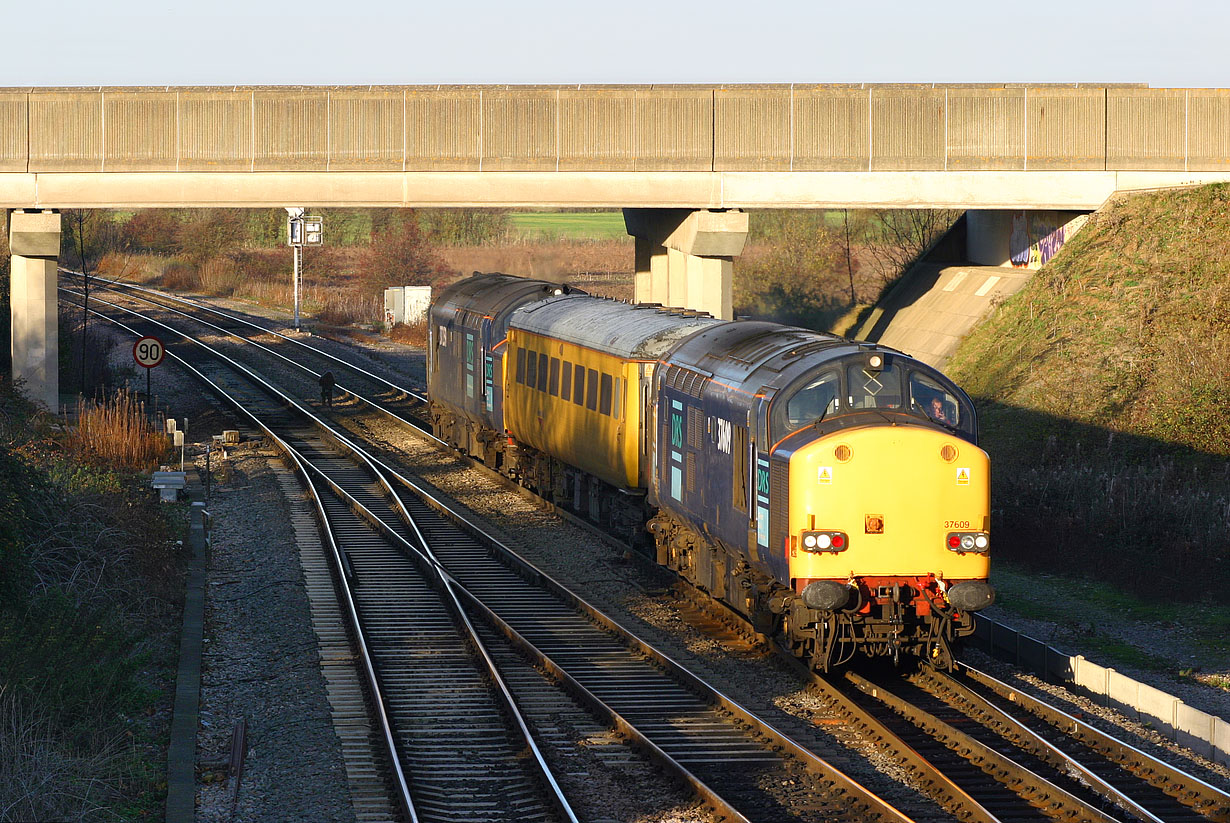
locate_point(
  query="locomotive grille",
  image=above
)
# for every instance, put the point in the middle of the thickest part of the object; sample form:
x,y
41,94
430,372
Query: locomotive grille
x,y
779,505
696,423
691,471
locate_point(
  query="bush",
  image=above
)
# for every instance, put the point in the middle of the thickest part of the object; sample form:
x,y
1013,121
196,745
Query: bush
x,y
802,280
412,334
400,256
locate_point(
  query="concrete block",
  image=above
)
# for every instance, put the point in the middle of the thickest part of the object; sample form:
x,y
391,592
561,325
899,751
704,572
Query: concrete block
x,y
139,131
215,130
14,133
66,131
34,234
1004,642
1221,741
831,129
1121,692
367,130
1089,675
1156,706
230,436
290,130
1032,653
1059,667
1208,129
1194,729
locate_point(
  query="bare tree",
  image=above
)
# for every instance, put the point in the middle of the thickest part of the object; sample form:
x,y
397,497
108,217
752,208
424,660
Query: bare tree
x,y
898,238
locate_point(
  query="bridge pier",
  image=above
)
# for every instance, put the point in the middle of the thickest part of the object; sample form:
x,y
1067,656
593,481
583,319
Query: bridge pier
x,y
34,242
684,258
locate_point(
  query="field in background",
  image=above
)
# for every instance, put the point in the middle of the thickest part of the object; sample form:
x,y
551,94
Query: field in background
x,y
550,226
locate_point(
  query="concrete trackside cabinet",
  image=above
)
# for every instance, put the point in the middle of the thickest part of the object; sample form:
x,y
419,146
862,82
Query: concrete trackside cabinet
x,y
34,242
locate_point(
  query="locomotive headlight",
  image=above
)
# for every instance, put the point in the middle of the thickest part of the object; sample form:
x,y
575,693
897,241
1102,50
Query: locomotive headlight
x,y
828,541
967,542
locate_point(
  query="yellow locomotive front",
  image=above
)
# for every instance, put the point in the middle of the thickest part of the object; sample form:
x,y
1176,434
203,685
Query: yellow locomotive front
x,y
888,522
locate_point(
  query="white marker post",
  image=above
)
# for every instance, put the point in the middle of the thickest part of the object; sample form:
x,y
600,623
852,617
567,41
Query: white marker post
x,y
148,352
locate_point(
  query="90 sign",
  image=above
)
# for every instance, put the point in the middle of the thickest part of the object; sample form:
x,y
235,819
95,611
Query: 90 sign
x,y
148,352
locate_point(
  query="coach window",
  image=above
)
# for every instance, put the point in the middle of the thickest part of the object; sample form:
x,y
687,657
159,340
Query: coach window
x,y
619,397
542,372
591,389
521,366
604,402
565,389
578,386
531,369
553,383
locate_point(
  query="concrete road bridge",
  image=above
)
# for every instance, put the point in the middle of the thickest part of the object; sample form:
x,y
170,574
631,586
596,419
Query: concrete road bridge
x,y
684,161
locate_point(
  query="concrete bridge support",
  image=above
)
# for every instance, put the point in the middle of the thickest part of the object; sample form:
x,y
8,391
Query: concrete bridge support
x,y
684,258
34,241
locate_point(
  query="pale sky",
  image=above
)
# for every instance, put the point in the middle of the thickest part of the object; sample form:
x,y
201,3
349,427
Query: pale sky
x,y
360,42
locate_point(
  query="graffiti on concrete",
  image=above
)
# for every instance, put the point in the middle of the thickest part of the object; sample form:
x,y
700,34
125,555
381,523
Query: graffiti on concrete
x,y
1038,236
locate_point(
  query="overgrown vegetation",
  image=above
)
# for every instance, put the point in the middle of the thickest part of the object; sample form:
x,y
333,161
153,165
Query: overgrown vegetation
x,y
1105,398
90,588
804,267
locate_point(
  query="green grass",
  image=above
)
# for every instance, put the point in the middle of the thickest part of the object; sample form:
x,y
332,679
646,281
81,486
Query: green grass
x,y
1101,387
568,225
1075,603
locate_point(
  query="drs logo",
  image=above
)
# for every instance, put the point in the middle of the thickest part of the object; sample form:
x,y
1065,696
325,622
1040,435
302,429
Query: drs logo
x,y
148,352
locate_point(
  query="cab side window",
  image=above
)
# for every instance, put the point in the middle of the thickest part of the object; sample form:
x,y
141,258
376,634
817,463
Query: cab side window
x,y
815,400
933,400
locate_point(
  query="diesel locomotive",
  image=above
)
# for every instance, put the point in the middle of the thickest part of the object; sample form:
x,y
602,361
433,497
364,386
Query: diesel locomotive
x,y
831,491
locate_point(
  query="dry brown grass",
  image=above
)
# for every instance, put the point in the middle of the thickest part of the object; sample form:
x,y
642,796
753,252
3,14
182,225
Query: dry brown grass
x,y
41,778
557,261
117,430
412,334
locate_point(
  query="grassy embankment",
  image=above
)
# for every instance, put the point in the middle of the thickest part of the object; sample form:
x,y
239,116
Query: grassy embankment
x,y
91,576
1104,390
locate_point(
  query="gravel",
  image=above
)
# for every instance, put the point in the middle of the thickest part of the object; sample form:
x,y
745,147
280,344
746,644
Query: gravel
x,y
640,599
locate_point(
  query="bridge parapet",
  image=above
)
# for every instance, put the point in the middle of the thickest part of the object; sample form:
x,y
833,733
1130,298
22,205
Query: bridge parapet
x,y
615,128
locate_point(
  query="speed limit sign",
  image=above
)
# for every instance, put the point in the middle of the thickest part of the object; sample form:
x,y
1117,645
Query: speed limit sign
x,y
148,352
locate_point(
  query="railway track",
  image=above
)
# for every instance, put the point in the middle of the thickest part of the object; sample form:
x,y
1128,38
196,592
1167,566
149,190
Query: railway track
x,y
1030,778
685,725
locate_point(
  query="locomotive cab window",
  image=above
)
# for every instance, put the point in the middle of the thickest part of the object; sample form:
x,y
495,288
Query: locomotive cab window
x,y
872,389
931,399
816,399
